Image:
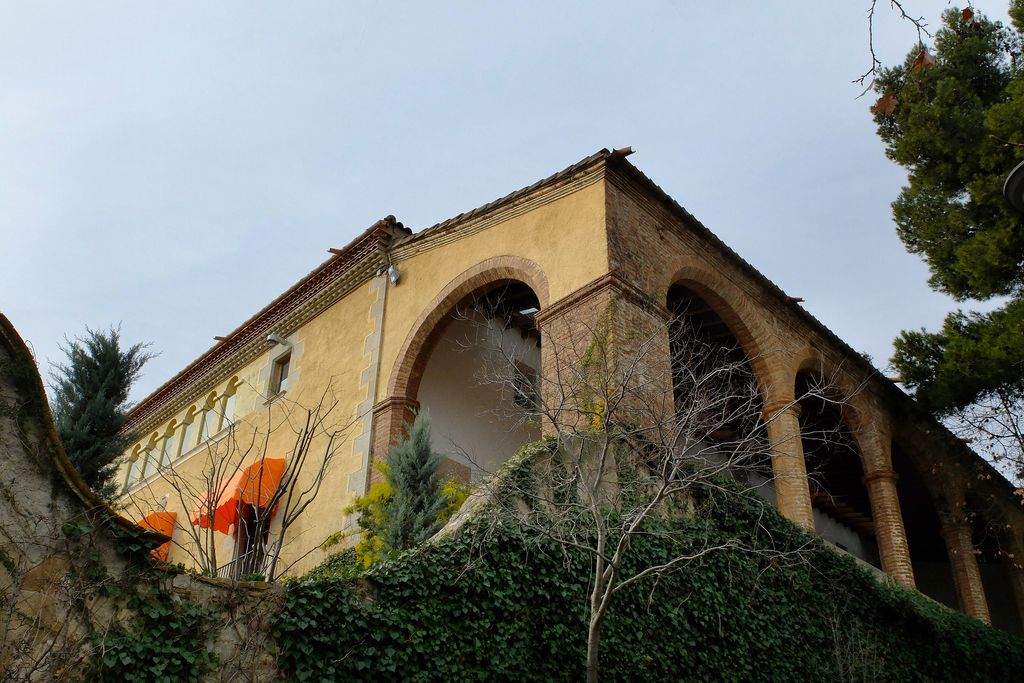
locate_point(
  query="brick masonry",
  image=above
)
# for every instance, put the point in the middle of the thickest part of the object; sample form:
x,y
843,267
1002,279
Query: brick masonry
x,y
651,249
966,574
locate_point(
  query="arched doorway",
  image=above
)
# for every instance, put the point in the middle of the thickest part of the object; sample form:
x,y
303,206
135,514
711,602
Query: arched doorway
x,y
716,391
835,473
479,378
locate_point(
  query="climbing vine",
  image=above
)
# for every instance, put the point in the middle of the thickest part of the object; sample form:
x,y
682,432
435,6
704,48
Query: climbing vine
x,y
491,603
164,641
159,637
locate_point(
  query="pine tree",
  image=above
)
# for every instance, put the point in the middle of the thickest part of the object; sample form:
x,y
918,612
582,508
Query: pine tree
x,y
414,512
954,118
90,403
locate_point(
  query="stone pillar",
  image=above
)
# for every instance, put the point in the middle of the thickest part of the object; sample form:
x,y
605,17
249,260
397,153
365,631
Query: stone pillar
x,y
792,492
880,480
389,419
966,573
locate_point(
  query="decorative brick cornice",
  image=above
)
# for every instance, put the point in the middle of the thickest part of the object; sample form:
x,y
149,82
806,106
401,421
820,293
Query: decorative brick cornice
x,y
609,281
325,285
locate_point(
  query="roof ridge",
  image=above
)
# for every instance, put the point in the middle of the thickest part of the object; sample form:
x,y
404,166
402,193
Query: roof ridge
x,y
600,155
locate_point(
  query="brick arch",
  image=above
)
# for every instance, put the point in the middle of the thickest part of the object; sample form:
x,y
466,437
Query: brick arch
x,y
725,301
412,357
807,359
854,408
810,360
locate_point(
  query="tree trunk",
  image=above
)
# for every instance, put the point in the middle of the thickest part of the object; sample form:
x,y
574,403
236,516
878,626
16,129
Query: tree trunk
x,y
593,641
600,596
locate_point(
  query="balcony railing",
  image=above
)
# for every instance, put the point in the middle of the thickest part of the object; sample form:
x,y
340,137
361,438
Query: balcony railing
x,y
251,563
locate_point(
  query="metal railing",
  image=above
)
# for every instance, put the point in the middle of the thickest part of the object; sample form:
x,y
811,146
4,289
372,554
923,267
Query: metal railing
x,y
254,562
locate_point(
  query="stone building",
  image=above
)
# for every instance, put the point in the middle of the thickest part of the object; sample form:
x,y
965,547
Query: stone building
x,y
378,332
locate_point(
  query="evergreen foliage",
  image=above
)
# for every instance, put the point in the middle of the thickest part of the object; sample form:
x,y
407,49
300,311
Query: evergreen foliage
x,y
493,602
412,502
372,512
90,403
972,355
416,501
958,129
955,121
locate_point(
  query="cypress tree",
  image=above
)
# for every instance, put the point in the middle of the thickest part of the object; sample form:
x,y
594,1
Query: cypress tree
x,y
417,502
90,403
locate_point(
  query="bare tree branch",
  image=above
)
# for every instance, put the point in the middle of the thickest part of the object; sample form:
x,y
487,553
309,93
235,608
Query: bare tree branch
x,y
638,423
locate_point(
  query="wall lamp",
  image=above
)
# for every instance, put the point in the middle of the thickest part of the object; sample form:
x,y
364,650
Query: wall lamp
x,y
274,339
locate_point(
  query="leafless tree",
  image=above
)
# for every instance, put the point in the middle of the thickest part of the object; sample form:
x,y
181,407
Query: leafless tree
x,y
994,427
857,655
918,23
245,455
639,419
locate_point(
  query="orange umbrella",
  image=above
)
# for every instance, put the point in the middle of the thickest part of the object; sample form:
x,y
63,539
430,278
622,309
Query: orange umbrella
x,y
161,522
253,485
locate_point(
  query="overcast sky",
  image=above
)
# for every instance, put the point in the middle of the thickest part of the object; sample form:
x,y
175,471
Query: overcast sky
x,y
173,167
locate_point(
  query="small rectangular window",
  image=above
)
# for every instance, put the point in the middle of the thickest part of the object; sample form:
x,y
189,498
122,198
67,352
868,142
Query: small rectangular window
x,y
279,380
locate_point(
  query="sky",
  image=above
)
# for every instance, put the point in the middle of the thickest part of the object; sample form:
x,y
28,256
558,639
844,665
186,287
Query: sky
x,y
173,167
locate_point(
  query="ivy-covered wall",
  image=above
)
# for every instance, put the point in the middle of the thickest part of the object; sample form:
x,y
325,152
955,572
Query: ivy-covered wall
x,y
491,604
80,601
80,598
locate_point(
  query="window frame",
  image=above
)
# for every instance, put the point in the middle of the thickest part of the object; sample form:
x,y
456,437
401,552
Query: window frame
x,y
280,373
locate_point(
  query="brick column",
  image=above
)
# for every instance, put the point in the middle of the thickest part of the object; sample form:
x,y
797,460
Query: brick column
x,y
389,419
875,443
1014,561
792,493
966,573
889,531
605,328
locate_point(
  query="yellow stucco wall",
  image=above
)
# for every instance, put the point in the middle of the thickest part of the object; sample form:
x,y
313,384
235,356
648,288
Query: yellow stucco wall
x,y
565,237
327,360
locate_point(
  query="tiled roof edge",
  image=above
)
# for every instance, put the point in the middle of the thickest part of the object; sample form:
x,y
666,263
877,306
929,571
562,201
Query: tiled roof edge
x,y
892,392
381,233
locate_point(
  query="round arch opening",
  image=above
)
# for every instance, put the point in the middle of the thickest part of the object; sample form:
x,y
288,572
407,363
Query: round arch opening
x,y
713,381
988,535
480,377
835,473
933,573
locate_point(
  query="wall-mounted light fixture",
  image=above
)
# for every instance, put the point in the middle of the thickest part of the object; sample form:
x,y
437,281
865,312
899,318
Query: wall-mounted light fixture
x,y
273,339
